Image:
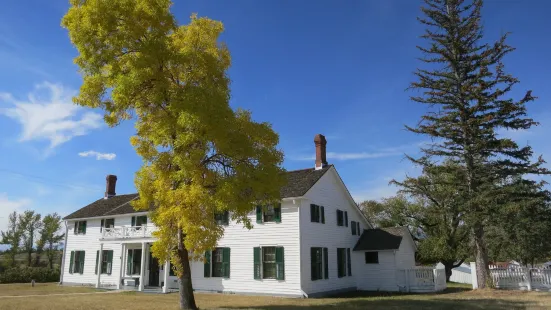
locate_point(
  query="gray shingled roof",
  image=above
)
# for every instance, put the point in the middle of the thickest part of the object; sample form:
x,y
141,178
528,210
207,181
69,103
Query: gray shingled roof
x,y
298,183
379,239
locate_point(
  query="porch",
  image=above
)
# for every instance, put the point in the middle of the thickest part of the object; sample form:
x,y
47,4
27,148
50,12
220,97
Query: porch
x,y
138,269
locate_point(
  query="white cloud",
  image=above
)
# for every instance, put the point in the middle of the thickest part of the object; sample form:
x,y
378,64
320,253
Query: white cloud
x,y
379,153
49,114
351,156
98,155
7,206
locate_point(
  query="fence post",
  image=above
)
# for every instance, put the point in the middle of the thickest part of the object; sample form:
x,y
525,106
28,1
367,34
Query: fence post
x,y
528,278
406,271
474,278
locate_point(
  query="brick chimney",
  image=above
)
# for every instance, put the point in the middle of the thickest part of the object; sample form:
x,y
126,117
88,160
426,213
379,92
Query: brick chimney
x,y
110,184
320,142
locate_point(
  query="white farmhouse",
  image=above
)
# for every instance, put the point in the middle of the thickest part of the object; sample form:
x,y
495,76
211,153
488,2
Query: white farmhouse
x,y
315,242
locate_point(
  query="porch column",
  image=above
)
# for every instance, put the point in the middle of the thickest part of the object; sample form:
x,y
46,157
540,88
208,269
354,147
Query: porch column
x,y
165,276
121,269
98,266
142,268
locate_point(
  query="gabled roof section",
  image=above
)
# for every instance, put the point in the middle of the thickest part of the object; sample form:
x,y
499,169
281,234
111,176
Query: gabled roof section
x,y
381,239
298,183
119,204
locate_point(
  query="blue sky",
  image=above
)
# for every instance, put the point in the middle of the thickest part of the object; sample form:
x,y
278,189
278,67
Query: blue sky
x,y
307,67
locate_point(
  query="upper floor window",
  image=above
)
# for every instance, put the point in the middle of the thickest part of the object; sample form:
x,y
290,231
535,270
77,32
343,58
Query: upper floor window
x,y
140,220
107,223
317,214
342,218
222,218
269,213
354,227
80,228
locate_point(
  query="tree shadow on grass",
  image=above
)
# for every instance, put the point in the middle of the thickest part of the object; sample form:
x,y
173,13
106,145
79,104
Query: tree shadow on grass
x,y
408,304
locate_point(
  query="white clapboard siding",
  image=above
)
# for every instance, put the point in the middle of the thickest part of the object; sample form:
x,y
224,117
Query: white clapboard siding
x,y
332,195
378,277
89,243
241,242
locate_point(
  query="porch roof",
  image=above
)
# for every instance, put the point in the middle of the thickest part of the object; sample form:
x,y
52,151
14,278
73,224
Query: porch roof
x,y
380,239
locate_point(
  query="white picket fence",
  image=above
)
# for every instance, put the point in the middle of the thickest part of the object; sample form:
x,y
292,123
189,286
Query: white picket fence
x,y
518,278
421,280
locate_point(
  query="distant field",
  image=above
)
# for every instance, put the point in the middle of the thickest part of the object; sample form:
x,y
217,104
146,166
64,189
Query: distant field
x,y
457,297
21,259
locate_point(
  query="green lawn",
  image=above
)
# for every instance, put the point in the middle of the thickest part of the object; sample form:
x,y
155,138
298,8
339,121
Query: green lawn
x,y
40,289
456,297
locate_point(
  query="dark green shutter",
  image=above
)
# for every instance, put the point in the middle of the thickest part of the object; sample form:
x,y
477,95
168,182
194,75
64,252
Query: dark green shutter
x,y
129,262
312,265
257,263
349,263
340,260
226,217
280,264
226,262
277,213
322,211
81,261
326,262
133,221
84,228
71,262
97,259
346,218
358,228
101,226
75,231
109,261
259,214
206,268
313,213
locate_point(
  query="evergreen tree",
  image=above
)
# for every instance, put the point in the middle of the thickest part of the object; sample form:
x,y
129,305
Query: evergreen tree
x,y
520,229
466,87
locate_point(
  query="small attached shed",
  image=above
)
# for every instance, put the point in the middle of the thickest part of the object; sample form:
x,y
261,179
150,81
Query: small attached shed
x,y
379,254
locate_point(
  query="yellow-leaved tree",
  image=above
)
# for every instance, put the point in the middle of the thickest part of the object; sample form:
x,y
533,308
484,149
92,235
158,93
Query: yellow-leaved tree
x,y
200,157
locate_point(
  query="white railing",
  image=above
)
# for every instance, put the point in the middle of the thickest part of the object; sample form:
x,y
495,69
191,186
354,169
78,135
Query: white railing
x,y
421,280
145,231
522,278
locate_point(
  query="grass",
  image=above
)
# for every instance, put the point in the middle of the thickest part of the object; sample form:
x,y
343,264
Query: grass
x,y
456,297
40,289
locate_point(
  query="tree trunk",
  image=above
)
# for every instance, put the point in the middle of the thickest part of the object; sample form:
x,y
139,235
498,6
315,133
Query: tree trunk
x,y
29,257
187,299
448,268
482,270
37,260
13,253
